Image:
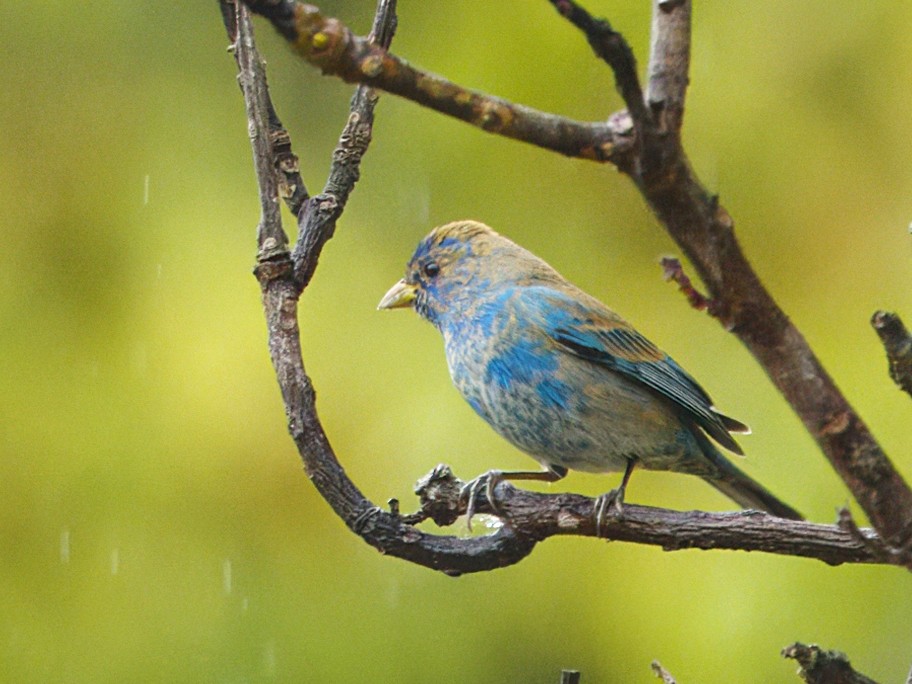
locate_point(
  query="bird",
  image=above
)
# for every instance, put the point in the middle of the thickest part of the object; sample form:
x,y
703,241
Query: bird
x,y
561,376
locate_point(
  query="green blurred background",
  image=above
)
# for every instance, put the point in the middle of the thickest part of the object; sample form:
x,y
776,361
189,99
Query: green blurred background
x,y
155,524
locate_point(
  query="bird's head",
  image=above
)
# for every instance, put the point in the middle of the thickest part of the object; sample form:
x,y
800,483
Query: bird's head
x,y
456,266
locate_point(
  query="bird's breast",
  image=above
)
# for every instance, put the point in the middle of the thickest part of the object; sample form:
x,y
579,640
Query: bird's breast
x,y
515,384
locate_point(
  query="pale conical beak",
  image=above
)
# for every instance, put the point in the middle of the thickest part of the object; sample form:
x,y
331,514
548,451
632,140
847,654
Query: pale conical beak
x,y
399,296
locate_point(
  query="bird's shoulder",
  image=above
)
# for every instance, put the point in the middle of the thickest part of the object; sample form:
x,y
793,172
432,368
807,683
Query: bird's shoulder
x,y
570,316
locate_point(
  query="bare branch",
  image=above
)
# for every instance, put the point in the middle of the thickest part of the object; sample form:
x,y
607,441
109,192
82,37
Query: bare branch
x,y
610,46
705,232
669,63
672,270
898,344
385,531
662,673
742,304
818,666
331,46
317,219
271,239
540,516
570,677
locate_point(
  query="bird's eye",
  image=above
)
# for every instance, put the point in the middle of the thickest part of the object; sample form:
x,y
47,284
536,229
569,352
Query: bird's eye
x,y
431,269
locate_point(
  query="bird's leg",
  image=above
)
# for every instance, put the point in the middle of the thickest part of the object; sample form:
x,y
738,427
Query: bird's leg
x,y
613,499
492,478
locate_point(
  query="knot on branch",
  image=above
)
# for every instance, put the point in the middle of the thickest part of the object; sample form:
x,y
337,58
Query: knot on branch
x,y
836,424
273,262
320,40
493,116
439,494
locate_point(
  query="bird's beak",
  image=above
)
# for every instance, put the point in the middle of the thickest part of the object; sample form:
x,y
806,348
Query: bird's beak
x,y
399,296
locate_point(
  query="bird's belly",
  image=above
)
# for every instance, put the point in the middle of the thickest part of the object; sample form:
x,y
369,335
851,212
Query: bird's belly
x,y
568,412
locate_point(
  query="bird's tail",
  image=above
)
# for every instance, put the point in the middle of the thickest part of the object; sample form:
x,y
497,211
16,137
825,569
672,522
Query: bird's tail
x,y
741,488
749,493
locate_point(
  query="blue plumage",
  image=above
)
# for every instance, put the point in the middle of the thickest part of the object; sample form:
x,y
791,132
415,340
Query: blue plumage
x,y
560,375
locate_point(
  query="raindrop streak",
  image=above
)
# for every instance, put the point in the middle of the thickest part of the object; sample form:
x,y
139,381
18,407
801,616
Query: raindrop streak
x,y
146,190
115,561
140,359
269,658
226,575
65,546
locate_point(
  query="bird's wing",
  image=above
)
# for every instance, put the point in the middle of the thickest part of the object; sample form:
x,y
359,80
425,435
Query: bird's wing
x,y
584,327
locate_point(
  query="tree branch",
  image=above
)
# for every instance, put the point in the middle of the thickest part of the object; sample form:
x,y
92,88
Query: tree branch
x,y
271,239
661,673
817,666
328,44
317,220
540,516
705,231
741,303
570,677
898,344
669,63
281,289
611,47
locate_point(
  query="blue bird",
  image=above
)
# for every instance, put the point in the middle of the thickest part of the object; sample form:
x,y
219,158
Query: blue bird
x,y
560,375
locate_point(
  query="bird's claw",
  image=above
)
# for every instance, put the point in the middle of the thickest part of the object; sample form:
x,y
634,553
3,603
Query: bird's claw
x,y
611,503
471,490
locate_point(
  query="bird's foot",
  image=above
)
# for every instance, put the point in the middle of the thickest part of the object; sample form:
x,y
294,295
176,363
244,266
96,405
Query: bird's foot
x,y
611,503
485,482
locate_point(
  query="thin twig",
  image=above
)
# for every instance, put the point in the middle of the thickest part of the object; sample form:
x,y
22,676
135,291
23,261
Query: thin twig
x,y
672,270
818,666
898,344
669,64
662,673
885,553
570,677
271,239
317,219
291,186
613,48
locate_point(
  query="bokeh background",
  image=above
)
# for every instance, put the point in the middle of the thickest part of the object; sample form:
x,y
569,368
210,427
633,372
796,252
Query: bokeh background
x,y
155,524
